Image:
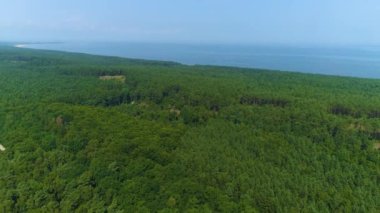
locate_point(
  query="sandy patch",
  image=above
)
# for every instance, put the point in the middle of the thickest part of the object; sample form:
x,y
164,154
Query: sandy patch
x,y
20,45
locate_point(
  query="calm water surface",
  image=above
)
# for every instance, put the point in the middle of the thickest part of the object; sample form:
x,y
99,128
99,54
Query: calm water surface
x,y
358,61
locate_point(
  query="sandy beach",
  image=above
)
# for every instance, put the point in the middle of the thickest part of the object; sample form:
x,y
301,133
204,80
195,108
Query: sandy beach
x,y
20,45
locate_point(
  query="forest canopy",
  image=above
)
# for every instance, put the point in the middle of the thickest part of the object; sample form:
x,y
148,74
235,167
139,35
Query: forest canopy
x,y
86,133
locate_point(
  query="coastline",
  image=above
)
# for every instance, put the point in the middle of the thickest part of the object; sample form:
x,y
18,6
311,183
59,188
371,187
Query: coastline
x,y
26,44
20,45
326,61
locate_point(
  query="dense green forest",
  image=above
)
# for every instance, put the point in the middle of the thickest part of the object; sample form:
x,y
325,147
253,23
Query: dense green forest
x,y
88,133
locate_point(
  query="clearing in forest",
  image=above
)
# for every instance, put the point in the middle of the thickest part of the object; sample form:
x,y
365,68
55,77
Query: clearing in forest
x,y
376,146
120,78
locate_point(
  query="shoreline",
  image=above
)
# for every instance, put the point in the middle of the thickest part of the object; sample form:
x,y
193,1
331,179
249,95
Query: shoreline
x,y
26,44
373,73
20,45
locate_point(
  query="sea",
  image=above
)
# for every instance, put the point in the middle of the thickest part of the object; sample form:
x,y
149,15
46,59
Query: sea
x,y
355,61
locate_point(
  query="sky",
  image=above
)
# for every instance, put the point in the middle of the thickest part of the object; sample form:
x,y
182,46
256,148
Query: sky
x,y
192,21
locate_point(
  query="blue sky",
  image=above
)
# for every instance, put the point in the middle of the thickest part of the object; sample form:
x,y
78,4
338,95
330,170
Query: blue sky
x,y
193,21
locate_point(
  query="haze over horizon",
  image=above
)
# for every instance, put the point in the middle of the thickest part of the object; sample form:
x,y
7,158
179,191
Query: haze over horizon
x,y
195,21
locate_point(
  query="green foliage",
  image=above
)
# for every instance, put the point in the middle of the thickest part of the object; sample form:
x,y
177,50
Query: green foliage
x,y
175,138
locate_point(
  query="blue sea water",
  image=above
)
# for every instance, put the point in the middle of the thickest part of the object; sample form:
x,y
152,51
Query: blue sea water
x,y
356,61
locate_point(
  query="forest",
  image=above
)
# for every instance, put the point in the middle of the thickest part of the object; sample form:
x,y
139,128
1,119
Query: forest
x,y
85,133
